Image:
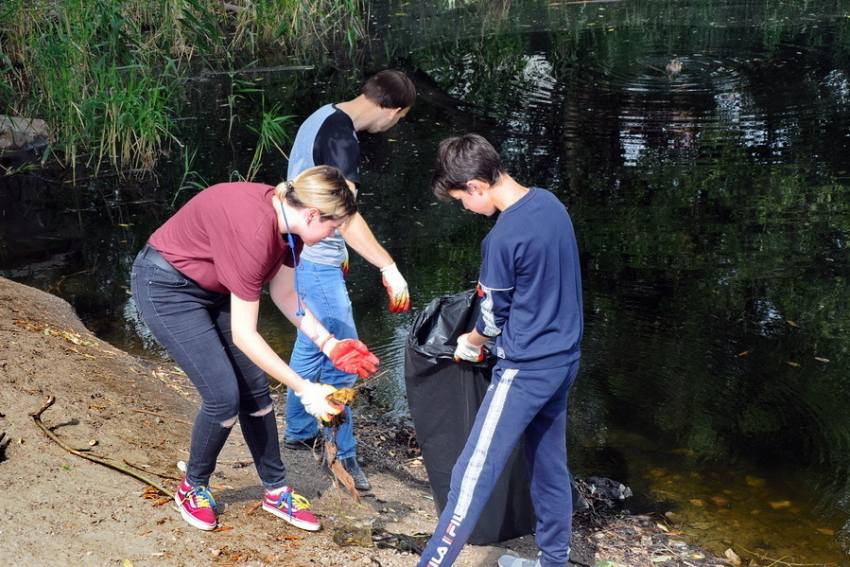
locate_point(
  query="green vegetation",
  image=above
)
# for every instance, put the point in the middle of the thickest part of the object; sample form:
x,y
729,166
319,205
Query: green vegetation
x,y
108,76
273,128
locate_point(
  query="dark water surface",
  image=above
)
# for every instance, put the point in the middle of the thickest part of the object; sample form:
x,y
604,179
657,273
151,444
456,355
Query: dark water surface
x,y
710,202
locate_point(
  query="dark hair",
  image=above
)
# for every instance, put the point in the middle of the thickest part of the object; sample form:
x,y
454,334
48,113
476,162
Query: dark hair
x,y
390,89
462,159
322,187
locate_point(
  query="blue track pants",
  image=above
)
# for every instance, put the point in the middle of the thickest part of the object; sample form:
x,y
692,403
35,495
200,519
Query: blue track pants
x,y
530,402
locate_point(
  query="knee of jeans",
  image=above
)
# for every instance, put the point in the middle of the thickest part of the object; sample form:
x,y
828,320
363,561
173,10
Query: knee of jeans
x,y
265,411
228,423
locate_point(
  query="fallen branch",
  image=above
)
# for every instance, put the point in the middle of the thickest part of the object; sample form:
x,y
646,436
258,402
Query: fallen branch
x,y
36,416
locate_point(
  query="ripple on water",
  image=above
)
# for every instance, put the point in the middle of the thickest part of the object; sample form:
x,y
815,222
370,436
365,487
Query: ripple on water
x,y
724,91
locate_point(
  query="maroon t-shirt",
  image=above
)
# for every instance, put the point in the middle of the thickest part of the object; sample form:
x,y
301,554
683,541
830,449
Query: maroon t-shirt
x,y
227,239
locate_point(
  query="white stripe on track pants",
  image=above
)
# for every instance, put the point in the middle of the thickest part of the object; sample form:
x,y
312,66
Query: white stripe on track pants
x,y
533,402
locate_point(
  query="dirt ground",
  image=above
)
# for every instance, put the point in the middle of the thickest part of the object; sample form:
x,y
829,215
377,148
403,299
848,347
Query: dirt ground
x,y
121,424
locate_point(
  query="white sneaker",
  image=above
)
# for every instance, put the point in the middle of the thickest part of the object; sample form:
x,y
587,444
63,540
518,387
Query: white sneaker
x,y
511,561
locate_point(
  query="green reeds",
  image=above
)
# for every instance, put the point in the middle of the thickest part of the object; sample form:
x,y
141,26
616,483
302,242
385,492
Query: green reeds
x,y
272,129
84,68
188,181
108,75
295,24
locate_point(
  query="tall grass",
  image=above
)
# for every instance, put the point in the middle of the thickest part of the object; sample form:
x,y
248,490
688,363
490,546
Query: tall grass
x,y
107,75
272,129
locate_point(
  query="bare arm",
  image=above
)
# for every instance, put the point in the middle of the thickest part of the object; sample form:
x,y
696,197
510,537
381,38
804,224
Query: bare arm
x,y
245,315
359,236
284,295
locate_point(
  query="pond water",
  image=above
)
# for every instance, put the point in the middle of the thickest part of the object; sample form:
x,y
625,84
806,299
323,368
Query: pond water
x,y
702,150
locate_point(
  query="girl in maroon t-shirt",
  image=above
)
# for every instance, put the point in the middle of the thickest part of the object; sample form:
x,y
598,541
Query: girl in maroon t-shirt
x,y
197,285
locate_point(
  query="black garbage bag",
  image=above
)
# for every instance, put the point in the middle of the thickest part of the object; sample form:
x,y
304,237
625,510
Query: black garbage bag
x,y
444,396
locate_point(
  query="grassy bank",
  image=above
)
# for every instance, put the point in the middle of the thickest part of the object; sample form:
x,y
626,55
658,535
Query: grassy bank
x,y
108,75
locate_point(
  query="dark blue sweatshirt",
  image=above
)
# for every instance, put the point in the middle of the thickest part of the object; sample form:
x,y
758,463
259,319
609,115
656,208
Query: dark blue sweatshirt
x,y
531,284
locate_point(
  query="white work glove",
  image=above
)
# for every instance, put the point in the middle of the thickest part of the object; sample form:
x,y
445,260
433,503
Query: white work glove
x,y
315,399
396,289
467,351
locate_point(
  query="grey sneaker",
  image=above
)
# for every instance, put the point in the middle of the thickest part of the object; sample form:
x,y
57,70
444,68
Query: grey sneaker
x,y
353,468
511,561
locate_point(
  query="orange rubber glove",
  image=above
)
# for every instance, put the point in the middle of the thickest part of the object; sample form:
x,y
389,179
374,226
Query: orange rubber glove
x,y
396,289
345,264
351,355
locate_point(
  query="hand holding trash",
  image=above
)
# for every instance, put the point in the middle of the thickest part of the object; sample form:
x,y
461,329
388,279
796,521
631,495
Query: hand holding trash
x,y
351,355
314,397
467,351
396,289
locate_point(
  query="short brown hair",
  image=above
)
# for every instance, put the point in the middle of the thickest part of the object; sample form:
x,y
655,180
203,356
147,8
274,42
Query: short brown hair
x,y
463,159
390,89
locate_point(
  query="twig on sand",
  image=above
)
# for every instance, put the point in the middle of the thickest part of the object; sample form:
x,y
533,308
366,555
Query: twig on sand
x,y
36,416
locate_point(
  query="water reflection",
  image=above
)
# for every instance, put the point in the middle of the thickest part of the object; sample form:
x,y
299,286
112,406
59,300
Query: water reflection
x,y
711,210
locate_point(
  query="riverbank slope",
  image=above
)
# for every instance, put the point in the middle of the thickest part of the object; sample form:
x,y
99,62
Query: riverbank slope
x,y
60,508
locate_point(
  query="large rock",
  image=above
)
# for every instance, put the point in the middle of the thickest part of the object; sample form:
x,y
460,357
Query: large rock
x,y
19,134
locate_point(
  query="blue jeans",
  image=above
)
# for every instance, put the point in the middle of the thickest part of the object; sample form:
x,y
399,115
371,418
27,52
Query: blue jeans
x,y
324,292
194,325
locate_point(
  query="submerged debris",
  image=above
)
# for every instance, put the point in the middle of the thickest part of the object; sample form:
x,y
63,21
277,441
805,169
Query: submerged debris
x,y
606,489
674,67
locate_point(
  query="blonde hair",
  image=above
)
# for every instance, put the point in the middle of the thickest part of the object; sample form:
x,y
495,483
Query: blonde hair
x,y
323,188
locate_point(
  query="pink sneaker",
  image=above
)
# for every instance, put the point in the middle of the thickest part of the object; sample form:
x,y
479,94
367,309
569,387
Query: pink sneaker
x,y
291,507
196,505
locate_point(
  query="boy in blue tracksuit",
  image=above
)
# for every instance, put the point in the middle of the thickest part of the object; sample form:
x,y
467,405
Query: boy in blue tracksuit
x,y
530,284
